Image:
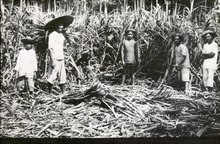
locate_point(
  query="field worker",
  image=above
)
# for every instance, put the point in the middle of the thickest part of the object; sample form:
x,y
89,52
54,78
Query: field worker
x,y
56,47
182,62
210,54
26,66
130,56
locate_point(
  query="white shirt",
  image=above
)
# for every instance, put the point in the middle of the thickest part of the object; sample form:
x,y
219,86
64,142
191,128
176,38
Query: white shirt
x,y
26,63
56,42
210,63
130,51
181,51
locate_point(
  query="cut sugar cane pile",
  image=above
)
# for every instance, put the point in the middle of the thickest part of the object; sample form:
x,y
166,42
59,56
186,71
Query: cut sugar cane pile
x,y
100,110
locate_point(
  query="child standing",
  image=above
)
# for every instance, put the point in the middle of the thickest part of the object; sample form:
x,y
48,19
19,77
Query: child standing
x,y
130,58
26,67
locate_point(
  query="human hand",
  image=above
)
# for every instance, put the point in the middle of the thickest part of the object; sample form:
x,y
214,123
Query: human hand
x,y
175,65
179,67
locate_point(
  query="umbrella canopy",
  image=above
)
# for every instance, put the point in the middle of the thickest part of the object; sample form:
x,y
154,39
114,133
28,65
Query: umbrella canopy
x,y
63,20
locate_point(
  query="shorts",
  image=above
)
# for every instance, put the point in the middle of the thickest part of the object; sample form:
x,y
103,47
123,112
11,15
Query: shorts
x,y
183,74
58,72
129,69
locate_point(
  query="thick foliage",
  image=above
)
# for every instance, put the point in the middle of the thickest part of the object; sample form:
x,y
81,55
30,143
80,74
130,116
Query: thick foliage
x,y
96,38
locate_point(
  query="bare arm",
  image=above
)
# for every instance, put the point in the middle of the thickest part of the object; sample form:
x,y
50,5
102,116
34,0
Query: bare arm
x,y
182,60
18,64
171,60
136,53
184,52
122,53
67,38
51,52
211,54
208,55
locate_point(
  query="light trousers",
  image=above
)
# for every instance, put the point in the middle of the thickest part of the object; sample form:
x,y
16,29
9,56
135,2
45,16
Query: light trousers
x,y
58,72
208,77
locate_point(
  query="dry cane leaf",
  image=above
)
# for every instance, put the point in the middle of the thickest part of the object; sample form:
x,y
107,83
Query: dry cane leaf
x,y
201,131
43,129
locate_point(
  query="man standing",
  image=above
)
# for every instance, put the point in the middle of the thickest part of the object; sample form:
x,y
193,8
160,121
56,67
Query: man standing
x,y
182,61
56,46
210,54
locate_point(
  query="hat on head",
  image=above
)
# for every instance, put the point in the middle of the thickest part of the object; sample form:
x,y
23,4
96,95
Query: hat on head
x,y
130,29
181,37
63,20
28,40
208,31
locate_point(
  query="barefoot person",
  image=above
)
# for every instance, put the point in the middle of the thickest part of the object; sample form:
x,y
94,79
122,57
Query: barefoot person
x,y
130,58
26,66
56,46
210,54
182,62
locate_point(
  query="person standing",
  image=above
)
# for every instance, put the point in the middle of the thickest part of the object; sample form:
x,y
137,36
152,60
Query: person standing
x,y
56,47
210,54
26,67
182,62
130,58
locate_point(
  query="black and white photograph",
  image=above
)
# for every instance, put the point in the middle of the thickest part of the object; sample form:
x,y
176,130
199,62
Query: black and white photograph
x,y
110,70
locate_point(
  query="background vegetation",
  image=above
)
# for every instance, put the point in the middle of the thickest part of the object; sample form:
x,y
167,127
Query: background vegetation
x,y
98,29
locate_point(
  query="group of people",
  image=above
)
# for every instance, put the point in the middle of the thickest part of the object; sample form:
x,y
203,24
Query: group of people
x,y
26,66
209,55
130,59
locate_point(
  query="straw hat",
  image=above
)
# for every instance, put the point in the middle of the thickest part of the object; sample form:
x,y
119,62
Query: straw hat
x,y
208,31
130,29
180,35
63,20
28,40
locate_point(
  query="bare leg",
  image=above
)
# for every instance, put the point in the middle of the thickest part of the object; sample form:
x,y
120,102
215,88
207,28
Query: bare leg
x,y
26,84
62,87
210,89
179,75
132,79
30,84
187,85
20,84
78,81
49,85
123,79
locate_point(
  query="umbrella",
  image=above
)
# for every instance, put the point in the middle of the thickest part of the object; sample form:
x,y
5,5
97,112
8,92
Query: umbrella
x,y
64,20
